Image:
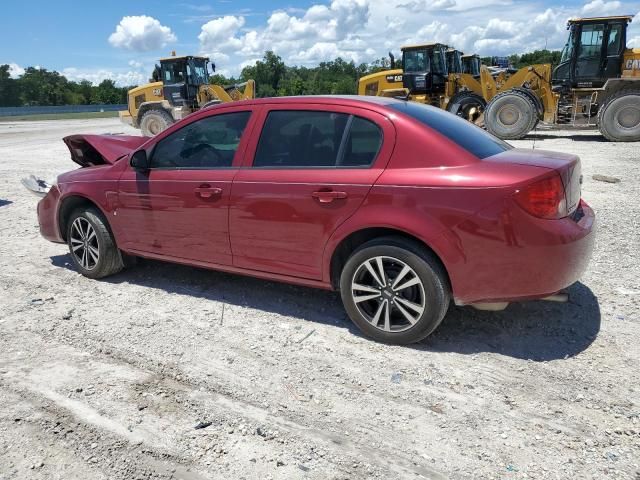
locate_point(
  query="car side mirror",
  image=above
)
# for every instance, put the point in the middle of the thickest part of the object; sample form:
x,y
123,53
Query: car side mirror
x,y
140,161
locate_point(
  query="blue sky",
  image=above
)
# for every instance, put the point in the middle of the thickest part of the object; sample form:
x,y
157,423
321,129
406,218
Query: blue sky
x,y
121,39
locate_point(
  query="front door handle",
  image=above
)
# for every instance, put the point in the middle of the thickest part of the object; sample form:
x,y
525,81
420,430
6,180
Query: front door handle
x,y
328,196
207,191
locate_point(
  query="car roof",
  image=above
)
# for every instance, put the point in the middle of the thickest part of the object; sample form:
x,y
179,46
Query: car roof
x,y
345,100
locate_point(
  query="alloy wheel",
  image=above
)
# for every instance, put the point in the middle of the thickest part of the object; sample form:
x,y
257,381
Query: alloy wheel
x,y
388,293
84,243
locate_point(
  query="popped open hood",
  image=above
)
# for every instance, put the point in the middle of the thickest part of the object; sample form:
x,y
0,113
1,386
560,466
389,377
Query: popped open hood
x,y
91,150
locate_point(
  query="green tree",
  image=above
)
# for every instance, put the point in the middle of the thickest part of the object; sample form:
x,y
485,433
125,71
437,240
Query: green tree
x,y
8,88
267,73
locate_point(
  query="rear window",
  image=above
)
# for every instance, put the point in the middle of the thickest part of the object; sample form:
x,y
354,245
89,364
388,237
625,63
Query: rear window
x,y
473,139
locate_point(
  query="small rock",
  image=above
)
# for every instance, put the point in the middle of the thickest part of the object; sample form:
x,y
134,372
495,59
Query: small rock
x,y
605,178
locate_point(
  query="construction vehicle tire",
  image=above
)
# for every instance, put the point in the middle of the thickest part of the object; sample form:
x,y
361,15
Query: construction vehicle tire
x,y
155,121
619,117
467,105
510,115
534,98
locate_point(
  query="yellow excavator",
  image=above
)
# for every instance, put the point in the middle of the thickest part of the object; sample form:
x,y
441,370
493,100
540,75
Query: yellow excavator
x,y
180,87
596,83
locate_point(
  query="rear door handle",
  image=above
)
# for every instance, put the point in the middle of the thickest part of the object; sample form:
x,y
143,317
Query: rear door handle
x,y
207,191
328,196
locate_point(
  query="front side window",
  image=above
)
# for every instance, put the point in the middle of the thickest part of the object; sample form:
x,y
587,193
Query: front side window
x,y
311,139
198,72
205,144
567,51
591,40
173,72
615,40
439,64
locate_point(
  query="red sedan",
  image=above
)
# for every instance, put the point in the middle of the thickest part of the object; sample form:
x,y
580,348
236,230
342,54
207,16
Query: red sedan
x,y
400,206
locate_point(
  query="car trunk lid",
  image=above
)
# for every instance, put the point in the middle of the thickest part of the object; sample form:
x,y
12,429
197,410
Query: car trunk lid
x,y
566,165
92,150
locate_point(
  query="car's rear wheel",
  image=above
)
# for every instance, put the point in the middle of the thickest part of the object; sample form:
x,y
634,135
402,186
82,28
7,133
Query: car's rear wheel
x,y
93,249
394,290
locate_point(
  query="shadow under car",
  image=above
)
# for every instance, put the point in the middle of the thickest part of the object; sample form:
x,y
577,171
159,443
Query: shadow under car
x,y
536,330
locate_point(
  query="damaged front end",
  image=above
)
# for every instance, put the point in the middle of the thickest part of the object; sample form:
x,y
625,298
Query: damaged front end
x,y
89,151
36,185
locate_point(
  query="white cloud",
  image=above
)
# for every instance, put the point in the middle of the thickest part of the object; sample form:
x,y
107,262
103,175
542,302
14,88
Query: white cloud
x,y
601,7
319,33
421,6
219,34
633,32
141,34
15,70
363,30
95,76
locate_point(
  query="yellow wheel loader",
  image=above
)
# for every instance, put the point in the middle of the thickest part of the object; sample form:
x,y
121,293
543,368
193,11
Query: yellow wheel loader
x,y
431,73
597,83
181,87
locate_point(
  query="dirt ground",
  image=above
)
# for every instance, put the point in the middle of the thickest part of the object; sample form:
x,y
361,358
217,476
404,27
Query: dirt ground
x,y
112,379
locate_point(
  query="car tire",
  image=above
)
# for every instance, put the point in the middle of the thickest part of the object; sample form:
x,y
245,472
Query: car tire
x,y
619,117
155,121
394,314
91,244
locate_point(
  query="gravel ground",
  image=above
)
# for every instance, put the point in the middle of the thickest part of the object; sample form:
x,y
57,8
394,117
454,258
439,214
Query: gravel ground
x,y
112,379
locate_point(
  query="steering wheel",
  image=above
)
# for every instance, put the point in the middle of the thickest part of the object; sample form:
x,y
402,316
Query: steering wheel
x,y
206,149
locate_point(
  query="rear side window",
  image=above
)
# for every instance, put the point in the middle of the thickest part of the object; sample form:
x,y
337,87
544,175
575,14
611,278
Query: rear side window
x,y
361,144
473,139
312,139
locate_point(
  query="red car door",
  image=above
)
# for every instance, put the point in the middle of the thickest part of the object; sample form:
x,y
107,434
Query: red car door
x,y
308,168
179,208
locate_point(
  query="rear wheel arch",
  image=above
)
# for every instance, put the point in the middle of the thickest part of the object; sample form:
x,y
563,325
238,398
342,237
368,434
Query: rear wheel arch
x,y
350,243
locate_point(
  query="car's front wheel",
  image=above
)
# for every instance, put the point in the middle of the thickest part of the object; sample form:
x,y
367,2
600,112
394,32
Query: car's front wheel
x,y
394,290
91,244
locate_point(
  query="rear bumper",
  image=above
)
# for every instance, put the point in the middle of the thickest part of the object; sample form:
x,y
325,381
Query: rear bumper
x,y
528,259
48,216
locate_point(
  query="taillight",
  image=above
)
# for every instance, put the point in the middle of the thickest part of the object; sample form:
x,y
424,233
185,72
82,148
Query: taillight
x,y
544,198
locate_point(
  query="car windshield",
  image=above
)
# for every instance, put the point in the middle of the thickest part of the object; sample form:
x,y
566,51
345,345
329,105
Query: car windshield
x,y
416,61
468,136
